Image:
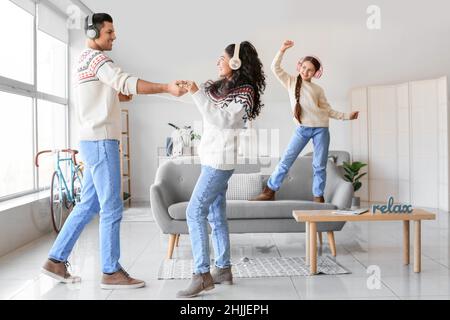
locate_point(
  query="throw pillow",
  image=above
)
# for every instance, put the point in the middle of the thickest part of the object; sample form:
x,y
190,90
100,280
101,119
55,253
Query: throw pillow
x,y
244,186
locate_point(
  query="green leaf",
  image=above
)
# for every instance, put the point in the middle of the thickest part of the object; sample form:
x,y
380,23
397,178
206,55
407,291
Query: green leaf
x,y
361,175
357,185
349,179
358,165
348,170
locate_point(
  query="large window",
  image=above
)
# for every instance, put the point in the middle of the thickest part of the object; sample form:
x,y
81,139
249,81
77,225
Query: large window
x,y
16,140
33,97
16,55
51,129
51,65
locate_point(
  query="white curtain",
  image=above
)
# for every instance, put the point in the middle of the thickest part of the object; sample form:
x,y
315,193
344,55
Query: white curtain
x,y
53,23
27,5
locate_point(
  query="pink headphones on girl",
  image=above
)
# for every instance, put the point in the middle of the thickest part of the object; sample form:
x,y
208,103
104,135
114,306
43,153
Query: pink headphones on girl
x,y
318,73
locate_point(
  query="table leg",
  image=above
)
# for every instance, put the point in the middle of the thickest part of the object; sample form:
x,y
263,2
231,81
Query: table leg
x,y
313,247
406,242
417,246
307,243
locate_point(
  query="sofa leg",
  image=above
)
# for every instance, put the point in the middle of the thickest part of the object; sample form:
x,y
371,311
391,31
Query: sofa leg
x,y
172,240
319,235
177,240
331,242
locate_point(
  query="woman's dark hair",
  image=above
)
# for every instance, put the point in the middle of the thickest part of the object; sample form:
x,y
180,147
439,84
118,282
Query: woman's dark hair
x,y
99,19
250,73
298,85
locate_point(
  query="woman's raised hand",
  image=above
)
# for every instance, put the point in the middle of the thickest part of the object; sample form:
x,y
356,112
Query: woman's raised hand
x,y
354,115
286,45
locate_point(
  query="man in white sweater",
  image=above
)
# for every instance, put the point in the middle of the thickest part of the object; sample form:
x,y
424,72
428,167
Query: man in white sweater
x,y
101,87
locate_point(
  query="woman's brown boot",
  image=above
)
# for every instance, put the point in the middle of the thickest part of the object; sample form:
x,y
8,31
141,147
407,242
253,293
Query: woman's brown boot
x,y
266,195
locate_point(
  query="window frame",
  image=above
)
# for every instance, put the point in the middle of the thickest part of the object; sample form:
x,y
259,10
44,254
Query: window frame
x,y
30,90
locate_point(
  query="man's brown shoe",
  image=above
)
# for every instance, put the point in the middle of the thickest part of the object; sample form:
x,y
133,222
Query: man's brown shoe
x,y
266,195
120,280
319,199
199,282
58,271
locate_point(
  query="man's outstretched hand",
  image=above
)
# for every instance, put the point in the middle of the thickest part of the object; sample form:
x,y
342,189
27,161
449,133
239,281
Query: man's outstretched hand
x,y
175,89
124,98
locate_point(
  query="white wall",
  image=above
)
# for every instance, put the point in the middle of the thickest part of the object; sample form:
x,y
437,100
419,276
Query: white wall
x,y
23,220
159,43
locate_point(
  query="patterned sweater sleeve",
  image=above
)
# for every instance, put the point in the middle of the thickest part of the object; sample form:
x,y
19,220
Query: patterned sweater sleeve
x,y
223,118
323,103
111,75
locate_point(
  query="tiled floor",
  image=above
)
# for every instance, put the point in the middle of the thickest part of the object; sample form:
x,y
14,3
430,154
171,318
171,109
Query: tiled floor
x,y
359,245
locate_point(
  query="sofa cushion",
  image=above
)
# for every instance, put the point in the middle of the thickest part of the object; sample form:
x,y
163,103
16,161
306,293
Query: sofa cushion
x,y
244,186
243,209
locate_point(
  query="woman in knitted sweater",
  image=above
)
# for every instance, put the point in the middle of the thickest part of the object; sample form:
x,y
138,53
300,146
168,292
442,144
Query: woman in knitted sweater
x,y
225,106
311,112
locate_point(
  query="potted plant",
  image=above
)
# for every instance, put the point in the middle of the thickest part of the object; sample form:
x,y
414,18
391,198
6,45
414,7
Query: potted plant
x,y
352,175
187,136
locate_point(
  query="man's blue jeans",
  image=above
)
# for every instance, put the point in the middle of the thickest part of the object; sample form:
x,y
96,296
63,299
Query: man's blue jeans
x,y
321,141
208,203
100,193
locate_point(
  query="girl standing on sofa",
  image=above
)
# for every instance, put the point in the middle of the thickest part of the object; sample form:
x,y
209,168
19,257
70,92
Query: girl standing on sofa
x,y
311,114
225,106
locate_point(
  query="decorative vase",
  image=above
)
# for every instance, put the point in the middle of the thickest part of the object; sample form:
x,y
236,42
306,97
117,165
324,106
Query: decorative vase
x,y
356,202
177,148
187,151
169,146
186,137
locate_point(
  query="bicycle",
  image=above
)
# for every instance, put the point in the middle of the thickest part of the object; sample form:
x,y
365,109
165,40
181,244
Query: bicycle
x,y
61,196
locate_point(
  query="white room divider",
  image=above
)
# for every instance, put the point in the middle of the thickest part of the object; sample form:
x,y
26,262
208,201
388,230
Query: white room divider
x,y
360,135
402,134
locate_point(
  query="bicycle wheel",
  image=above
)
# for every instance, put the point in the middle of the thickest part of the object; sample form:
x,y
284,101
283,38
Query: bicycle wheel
x,y
56,203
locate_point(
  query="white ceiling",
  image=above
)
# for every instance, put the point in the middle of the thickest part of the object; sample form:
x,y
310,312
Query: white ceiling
x,y
163,40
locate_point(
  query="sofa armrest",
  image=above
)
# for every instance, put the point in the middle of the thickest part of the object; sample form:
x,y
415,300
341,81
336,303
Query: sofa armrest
x,y
160,201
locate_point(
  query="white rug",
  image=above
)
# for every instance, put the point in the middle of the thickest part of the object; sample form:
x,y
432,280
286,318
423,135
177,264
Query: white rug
x,y
256,267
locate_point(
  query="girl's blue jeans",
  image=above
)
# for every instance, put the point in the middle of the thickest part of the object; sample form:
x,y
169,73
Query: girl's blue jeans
x,y
302,135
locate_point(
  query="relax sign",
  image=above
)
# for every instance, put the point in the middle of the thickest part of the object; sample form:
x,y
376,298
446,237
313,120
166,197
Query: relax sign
x,y
390,207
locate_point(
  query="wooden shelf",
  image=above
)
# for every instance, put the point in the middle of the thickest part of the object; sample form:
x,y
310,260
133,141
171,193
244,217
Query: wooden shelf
x,y
125,161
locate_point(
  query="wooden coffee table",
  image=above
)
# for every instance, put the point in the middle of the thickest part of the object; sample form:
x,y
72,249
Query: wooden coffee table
x,y
312,217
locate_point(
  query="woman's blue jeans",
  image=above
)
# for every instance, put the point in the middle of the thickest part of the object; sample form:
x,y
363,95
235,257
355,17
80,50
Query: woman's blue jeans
x,y
208,204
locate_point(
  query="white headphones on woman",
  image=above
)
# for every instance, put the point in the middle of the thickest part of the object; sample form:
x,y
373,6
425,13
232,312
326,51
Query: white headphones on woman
x,y
92,31
235,63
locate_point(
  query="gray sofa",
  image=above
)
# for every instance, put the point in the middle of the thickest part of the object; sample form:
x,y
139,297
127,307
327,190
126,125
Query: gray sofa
x,y
174,183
